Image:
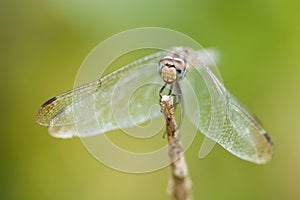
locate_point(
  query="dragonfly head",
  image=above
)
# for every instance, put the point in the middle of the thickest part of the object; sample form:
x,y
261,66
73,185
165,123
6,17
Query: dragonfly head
x,y
171,69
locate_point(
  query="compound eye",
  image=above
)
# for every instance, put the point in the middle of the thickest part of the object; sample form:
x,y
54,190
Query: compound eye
x,y
179,71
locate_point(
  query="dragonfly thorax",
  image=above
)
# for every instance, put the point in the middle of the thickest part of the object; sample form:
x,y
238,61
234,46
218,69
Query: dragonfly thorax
x,y
171,69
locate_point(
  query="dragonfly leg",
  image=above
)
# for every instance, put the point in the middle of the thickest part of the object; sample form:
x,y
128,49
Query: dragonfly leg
x,y
179,100
171,89
162,89
179,94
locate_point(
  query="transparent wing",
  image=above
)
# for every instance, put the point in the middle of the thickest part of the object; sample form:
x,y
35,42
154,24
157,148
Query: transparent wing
x,y
119,100
243,136
222,118
206,147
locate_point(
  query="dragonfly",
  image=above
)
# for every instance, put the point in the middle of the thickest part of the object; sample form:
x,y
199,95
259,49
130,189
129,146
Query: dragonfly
x,y
216,112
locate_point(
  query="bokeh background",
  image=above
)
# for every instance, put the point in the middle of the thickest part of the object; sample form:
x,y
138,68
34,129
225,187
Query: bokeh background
x,y
44,42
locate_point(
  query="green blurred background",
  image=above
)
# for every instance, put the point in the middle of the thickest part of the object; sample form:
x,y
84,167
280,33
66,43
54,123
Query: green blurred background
x,y
43,44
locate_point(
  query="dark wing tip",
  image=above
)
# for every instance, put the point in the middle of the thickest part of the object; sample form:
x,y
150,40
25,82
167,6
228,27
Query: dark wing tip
x,y
43,110
48,102
268,138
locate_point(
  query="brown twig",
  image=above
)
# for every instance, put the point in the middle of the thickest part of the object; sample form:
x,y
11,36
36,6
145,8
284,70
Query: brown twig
x,y
180,184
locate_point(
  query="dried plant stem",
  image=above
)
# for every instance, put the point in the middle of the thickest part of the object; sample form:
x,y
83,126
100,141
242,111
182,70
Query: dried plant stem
x,y
180,184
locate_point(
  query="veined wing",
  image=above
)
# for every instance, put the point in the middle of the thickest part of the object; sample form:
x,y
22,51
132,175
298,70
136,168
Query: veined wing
x,y
88,110
223,119
243,136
